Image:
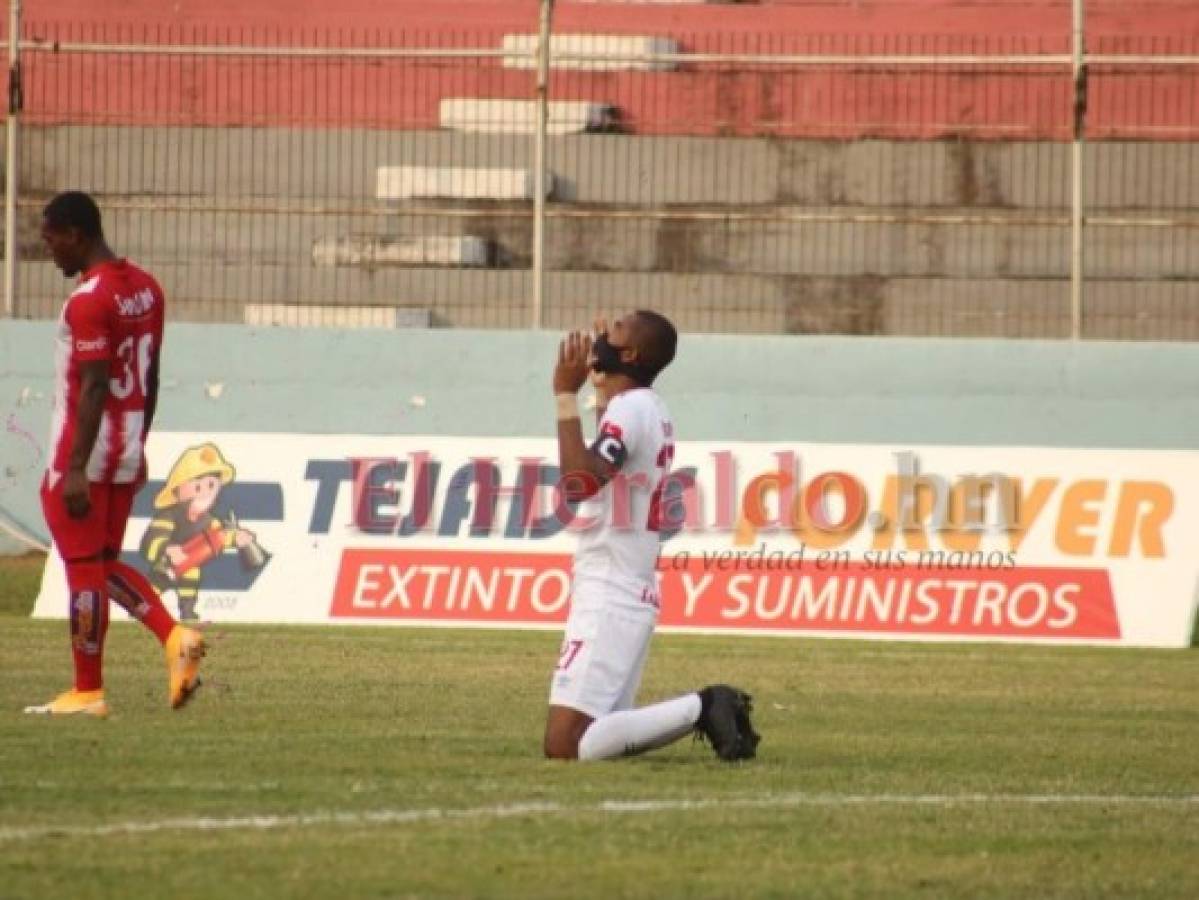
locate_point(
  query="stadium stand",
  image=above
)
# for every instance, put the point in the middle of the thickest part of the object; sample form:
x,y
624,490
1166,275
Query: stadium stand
x,y
592,52
334,316
366,250
738,197
471,114
453,182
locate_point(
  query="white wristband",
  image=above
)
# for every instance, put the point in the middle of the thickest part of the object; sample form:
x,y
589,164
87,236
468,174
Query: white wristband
x,y
568,407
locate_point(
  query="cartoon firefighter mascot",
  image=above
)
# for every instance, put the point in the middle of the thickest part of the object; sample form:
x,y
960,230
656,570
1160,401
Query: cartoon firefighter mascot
x,y
184,534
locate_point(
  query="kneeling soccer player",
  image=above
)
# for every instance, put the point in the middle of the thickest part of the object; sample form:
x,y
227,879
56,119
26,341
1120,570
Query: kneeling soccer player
x,y
614,597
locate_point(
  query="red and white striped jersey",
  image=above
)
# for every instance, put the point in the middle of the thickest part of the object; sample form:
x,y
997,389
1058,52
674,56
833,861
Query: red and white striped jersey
x,y
115,314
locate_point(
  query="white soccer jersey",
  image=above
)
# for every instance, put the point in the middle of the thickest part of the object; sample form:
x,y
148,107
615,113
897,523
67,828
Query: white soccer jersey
x,y
620,547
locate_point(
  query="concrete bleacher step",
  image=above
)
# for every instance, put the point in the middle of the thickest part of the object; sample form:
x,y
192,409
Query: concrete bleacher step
x,y
455,183
592,52
463,251
330,315
468,298
520,116
1029,175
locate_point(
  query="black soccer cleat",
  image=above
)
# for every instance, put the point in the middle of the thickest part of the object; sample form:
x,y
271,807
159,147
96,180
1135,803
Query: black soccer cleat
x,y
749,738
724,721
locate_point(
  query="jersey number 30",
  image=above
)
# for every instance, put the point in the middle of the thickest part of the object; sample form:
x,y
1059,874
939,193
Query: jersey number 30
x,y
135,359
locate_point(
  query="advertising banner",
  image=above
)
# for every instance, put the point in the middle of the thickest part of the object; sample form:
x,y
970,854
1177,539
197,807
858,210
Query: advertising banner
x,y
869,541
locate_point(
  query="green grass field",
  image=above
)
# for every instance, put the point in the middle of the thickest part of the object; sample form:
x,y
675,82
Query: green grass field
x,y
344,762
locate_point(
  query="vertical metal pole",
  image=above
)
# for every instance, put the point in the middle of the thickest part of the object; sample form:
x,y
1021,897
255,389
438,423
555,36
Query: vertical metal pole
x,y
1076,221
10,157
539,161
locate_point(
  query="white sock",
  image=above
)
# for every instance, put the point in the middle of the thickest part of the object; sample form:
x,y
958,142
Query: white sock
x,y
633,731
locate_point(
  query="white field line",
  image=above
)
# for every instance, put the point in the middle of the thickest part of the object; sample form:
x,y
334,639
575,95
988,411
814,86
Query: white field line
x,y
617,807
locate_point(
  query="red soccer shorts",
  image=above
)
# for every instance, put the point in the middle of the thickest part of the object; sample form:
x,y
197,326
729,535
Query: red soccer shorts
x,y
102,528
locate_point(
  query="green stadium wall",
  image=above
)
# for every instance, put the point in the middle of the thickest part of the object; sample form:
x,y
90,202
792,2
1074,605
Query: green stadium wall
x,y
722,387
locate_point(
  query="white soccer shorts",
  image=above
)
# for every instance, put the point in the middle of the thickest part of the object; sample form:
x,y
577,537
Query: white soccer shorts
x,y
603,651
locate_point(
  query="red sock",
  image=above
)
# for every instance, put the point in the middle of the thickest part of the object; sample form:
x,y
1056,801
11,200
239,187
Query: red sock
x,y
129,588
89,619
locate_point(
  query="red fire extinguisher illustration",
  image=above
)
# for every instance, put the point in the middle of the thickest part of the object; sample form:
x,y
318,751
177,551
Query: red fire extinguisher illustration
x,y
209,544
197,550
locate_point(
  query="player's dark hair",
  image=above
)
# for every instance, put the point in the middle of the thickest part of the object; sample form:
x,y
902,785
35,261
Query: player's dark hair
x,y
657,342
74,209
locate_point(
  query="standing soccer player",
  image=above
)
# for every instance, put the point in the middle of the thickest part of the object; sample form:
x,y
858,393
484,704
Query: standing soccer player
x,y
105,393
614,595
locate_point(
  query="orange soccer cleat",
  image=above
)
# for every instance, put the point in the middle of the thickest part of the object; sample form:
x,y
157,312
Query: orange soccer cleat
x,y
73,702
184,649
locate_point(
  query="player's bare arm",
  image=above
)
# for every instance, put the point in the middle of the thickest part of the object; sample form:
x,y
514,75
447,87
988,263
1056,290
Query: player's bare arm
x,y
151,391
583,472
93,393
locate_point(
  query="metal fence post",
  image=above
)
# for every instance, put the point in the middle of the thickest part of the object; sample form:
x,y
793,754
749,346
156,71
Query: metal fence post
x,y
539,161
1079,125
10,157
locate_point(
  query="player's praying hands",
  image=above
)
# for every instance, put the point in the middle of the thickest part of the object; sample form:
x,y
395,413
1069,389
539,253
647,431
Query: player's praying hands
x,y
574,355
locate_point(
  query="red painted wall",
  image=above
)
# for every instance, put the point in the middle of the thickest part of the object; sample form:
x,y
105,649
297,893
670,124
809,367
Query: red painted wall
x,y
1032,102
878,17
